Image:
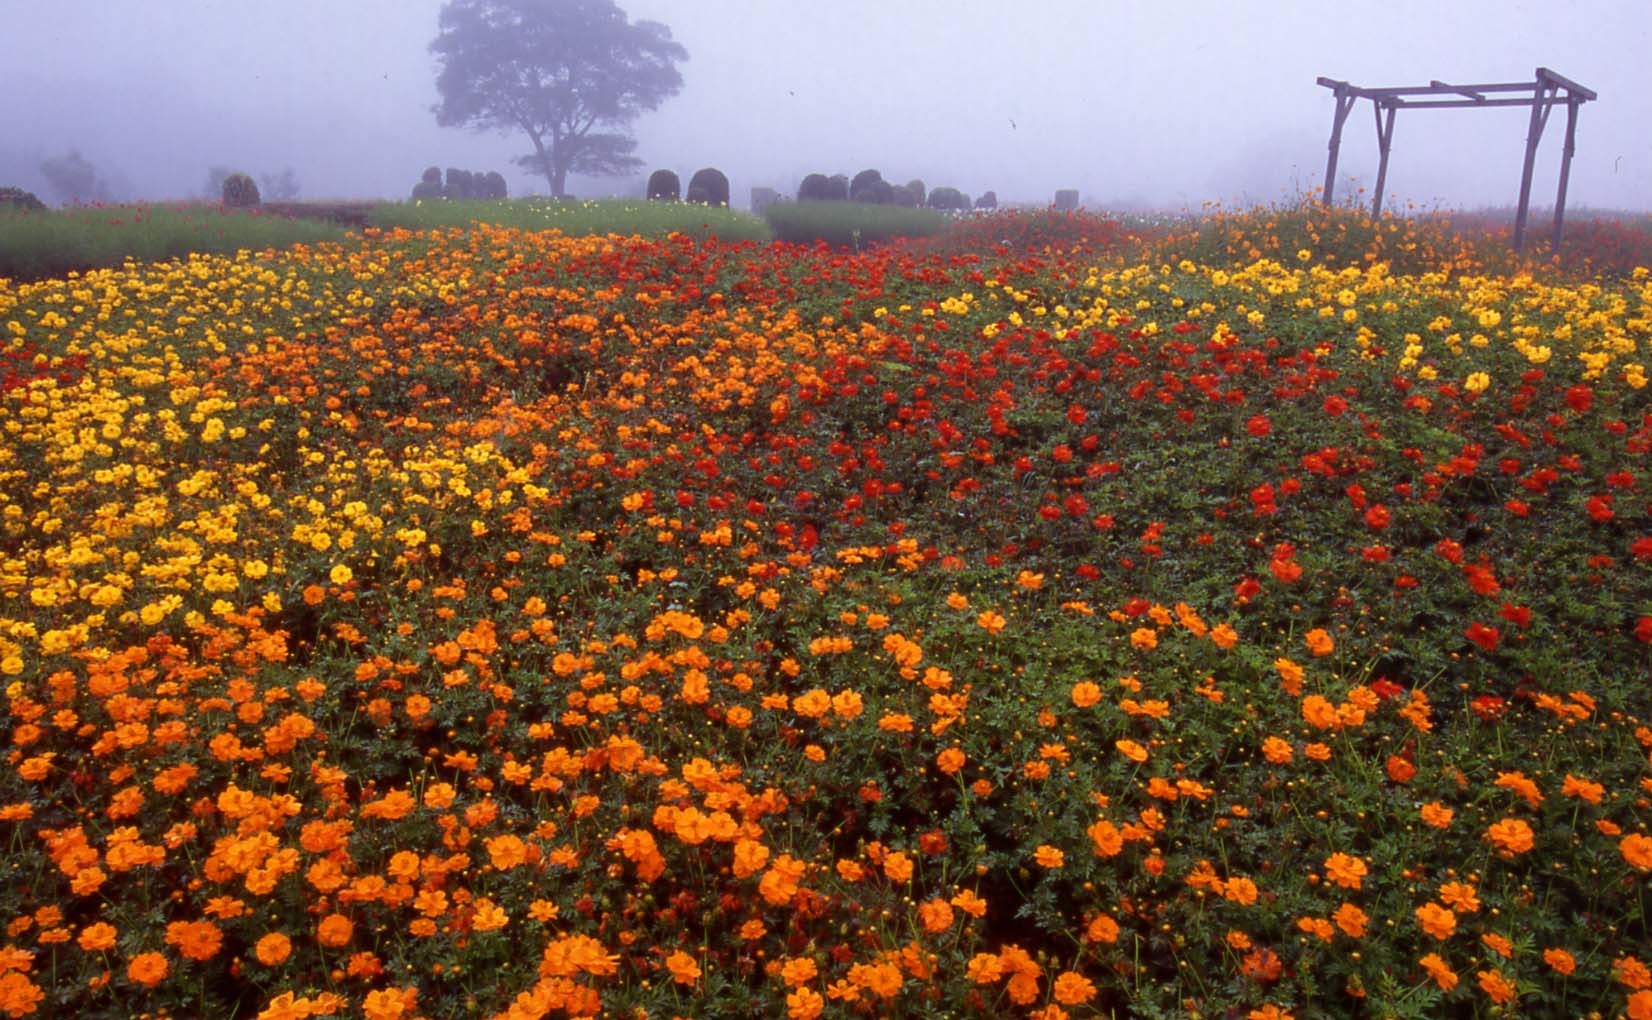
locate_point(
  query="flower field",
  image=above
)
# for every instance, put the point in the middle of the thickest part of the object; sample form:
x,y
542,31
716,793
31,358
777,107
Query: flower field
x,y
498,623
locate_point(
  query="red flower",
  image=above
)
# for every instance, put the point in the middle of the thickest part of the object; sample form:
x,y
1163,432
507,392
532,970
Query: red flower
x,y
1489,707
1486,637
1259,426
1643,630
1377,517
1579,398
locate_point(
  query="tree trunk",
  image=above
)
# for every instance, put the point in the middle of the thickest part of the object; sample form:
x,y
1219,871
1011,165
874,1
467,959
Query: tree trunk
x,y
559,179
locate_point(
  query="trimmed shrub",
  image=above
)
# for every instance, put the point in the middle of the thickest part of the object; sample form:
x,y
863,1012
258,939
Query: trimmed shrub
x,y
432,175
493,185
712,183
17,200
460,184
1066,200
240,191
916,186
850,224
948,198
815,188
903,196
862,184
837,188
762,198
663,186
988,200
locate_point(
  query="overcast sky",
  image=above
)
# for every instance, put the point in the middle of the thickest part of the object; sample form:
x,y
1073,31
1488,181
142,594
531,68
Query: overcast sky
x,y
1167,103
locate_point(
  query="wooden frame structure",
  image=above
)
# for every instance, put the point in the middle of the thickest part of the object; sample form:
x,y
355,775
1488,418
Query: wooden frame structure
x,y
1545,93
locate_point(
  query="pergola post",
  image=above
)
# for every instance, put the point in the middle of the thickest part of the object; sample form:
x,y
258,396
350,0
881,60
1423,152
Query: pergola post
x,y
1534,134
1344,103
1385,134
1565,173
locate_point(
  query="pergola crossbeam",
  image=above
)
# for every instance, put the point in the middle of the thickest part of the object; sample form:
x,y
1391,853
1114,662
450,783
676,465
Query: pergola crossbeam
x,y
1542,94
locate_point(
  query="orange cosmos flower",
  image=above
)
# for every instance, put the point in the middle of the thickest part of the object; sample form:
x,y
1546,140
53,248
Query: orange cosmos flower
x,y
1277,751
1346,871
990,622
1224,636
1497,987
1144,638
1440,971
950,760
148,969
1085,694
1132,750
1636,848
1319,642
1240,890
683,967
273,949
804,1004
1560,961
97,937
197,940
1511,836
1102,928
334,931
1049,857
935,915
1351,919
1460,896
971,904
1436,815
1073,989
1108,840
1436,920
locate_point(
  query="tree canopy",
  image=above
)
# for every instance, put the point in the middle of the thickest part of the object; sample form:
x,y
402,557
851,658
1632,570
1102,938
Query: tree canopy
x,y
560,71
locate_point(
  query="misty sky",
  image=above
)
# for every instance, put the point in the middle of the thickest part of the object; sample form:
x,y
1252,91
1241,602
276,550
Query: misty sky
x,y
1161,104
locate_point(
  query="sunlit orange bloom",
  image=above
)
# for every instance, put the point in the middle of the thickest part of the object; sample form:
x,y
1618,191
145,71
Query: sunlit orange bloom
x,y
1102,928
1631,972
487,915
1049,857
97,937
1144,638
749,857
1560,961
798,970
1289,676
1351,919
1108,840
935,915
1511,836
685,970
898,867
1436,815
1498,988
1345,870
334,931
1277,751
1086,693
1440,971
1132,750
1319,642
804,1004
272,949
1436,920
197,940
1636,848
1521,785
1460,897
950,760
506,851
780,882
970,903
1224,636
1318,712
1073,989
390,1004
1240,890
1639,1006
1318,927
148,969
991,622
19,996
881,979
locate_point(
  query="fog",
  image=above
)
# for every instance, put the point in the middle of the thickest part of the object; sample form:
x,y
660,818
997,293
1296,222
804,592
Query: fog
x,y
1144,105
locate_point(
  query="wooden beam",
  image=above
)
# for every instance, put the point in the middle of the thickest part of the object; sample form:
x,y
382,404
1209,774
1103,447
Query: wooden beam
x,y
1534,134
1344,103
1460,89
1565,172
1385,134
1566,83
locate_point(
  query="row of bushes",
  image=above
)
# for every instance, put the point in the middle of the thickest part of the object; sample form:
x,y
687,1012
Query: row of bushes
x,y
460,184
870,188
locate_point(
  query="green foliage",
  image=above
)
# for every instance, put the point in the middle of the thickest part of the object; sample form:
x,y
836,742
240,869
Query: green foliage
x,y
869,186
948,198
815,188
988,200
74,179
493,55
240,192
849,224
708,187
53,244
14,199
1066,200
663,186
574,217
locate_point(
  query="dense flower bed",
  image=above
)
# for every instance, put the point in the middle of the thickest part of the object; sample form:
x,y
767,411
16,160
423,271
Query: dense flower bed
x,y
494,623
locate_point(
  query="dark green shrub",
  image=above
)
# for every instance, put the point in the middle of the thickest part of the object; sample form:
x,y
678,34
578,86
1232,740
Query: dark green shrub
x,y
432,175
988,200
714,185
850,224
814,188
460,184
948,198
240,191
1066,200
427,189
493,185
916,186
863,184
903,196
762,198
18,200
837,188
663,186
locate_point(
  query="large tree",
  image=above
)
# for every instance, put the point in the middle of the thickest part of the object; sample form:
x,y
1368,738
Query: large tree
x,y
557,70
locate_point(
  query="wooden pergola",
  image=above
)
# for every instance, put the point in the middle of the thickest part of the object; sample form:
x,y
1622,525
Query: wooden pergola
x,y
1543,94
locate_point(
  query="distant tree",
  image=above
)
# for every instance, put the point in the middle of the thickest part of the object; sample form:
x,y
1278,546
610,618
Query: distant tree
x,y
555,70
73,179
281,187
216,176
